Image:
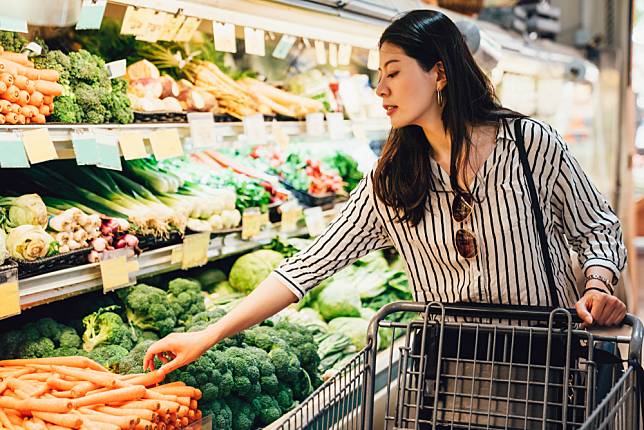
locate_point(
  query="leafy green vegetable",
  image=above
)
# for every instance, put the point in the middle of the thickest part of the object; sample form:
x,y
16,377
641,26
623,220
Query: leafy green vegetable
x,y
184,296
105,327
251,269
347,167
148,308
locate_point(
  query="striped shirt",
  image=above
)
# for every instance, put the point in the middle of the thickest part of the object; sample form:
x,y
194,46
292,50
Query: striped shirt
x,y
509,267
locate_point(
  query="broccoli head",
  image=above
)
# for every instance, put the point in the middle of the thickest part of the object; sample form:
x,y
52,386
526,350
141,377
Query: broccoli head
x,y
10,343
222,417
141,335
133,361
119,107
104,327
185,298
42,347
69,338
266,409
243,413
284,399
30,332
301,341
12,41
86,67
110,356
47,327
287,365
67,110
148,308
65,351
88,98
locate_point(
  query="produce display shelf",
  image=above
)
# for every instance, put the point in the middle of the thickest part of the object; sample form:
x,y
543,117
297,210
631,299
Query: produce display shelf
x,y
61,134
61,284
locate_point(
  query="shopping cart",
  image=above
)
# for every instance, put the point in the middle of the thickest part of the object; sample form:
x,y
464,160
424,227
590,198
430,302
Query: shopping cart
x,y
482,367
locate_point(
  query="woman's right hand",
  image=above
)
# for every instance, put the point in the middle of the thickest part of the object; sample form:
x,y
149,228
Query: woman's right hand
x,y
178,349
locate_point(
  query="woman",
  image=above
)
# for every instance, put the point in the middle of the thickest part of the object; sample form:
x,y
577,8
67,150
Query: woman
x,y
449,193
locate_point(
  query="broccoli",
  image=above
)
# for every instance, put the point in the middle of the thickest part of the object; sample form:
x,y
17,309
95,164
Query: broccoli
x,y
12,41
104,327
148,308
285,399
141,335
287,366
10,343
201,320
185,298
65,351
119,107
88,98
301,341
67,109
87,67
30,332
133,361
267,409
243,414
47,327
42,347
69,338
222,417
110,356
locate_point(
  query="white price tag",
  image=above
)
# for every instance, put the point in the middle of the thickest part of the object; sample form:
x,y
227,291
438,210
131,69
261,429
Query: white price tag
x,y
255,129
116,69
335,122
252,221
171,27
202,129
33,47
315,223
315,124
373,60
284,46
109,156
91,15
187,30
279,135
254,41
135,20
224,34
320,52
344,55
154,27
333,54
291,214
9,23
118,269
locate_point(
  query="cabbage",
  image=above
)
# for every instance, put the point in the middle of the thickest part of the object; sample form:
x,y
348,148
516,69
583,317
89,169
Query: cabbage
x,y
29,242
251,269
356,329
23,210
339,299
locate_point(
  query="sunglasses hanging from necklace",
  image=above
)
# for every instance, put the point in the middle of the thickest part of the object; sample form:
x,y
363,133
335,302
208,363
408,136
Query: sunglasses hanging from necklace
x,y
464,240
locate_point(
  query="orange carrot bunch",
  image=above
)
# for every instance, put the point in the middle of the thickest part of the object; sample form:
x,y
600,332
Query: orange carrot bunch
x,y
60,393
26,93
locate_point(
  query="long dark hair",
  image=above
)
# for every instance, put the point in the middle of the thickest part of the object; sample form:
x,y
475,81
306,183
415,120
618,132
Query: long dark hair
x,y
402,178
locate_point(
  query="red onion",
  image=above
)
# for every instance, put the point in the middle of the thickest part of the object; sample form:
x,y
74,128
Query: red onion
x,y
131,240
121,244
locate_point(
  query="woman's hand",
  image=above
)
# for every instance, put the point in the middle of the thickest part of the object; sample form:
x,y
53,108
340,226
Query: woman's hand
x,y
178,349
600,308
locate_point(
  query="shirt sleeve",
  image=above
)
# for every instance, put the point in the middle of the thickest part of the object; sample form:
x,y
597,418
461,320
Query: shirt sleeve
x,y
354,233
590,224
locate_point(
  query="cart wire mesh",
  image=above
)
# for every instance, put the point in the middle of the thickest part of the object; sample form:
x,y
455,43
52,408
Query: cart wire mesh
x,y
480,367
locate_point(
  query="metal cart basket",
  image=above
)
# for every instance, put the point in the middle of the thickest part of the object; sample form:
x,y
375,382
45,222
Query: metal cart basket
x,y
481,367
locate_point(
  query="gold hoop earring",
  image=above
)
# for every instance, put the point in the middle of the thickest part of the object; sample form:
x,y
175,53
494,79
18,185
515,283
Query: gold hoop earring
x,y
439,96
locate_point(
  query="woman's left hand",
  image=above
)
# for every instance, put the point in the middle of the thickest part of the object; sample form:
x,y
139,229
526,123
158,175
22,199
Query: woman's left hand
x,y
600,308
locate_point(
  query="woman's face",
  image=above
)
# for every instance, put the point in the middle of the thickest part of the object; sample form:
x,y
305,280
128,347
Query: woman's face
x,y
408,92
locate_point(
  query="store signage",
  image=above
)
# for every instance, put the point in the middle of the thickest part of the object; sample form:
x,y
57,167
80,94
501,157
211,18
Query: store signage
x,y
85,148
10,293
315,124
284,46
255,129
132,145
333,55
116,69
202,129
187,30
224,34
153,28
335,123
252,221
172,25
166,143
13,153
254,41
109,156
135,20
279,135
9,23
320,52
373,60
38,145
193,252
91,14
315,222
33,47
344,55
291,214
117,270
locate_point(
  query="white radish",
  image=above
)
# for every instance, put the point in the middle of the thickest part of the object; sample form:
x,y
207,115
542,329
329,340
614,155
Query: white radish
x,y
63,249
99,244
94,257
60,222
80,235
73,245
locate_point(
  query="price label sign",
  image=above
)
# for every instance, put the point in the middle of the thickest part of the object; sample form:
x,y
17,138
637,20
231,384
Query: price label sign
x,y
152,30
187,30
116,69
135,20
109,156
224,34
195,250
85,148
252,221
315,124
172,25
38,145
255,129
9,292
320,52
333,54
291,215
284,46
202,129
117,270
315,222
279,135
91,14
344,55
254,41
335,121
132,145
9,23
166,143
13,153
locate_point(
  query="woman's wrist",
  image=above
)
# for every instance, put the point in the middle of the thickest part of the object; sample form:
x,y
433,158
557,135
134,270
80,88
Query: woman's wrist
x,y
213,334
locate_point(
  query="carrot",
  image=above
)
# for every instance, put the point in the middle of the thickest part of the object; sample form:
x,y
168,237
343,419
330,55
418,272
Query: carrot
x,y
9,66
7,78
161,426
46,405
5,108
3,87
144,425
193,404
159,396
29,111
48,87
21,59
3,384
172,384
63,394
64,420
171,407
28,387
38,119
96,425
102,379
153,405
42,377
112,396
4,420
56,427
47,99
123,422
60,384
51,108
82,388
183,411
36,98
184,421
31,87
12,94
2,121
175,390
48,74
15,108
23,98
30,425
145,414
15,419
191,414
20,81
21,119
147,379
44,109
